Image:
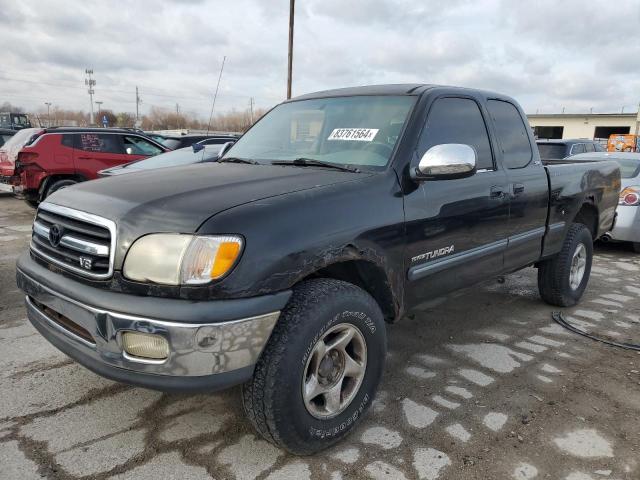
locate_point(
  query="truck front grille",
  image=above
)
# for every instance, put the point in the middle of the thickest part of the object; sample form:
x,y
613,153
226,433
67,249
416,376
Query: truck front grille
x,y
74,240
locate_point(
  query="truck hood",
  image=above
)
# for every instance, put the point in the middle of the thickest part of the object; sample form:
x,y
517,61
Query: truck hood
x,y
180,199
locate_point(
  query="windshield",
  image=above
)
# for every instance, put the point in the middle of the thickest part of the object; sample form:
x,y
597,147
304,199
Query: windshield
x,y
361,130
183,156
552,151
21,120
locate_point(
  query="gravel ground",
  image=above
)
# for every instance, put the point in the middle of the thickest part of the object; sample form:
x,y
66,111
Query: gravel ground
x,y
479,385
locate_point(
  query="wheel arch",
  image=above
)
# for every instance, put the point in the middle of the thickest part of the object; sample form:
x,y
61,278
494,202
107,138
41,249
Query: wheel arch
x,y
48,180
588,215
369,276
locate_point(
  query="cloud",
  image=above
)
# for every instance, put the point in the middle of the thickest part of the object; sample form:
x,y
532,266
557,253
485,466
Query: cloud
x,y
547,54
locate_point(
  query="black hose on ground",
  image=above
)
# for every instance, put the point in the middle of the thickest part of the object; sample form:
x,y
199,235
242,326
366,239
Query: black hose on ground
x,y
558,318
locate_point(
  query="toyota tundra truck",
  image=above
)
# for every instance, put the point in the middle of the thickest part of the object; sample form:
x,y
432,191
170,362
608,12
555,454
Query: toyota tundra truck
x,y
281,265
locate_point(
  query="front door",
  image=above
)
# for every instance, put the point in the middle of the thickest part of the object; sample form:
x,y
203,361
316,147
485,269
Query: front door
x,y
456,229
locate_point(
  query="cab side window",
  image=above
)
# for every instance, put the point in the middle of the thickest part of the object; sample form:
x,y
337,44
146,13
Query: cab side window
x,y
99,143
512,134
139,146
457,120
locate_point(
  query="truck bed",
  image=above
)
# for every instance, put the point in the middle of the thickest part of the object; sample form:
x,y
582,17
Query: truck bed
x,y
572,184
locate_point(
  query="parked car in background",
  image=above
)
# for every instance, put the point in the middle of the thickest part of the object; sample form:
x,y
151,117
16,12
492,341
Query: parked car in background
x,y
14,121
37,162
279,266
623,143
559,149
180,141
175,158
5,135
627,226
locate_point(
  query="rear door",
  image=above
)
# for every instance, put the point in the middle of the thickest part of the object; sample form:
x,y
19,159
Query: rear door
x,y
527,184
96,151
456,228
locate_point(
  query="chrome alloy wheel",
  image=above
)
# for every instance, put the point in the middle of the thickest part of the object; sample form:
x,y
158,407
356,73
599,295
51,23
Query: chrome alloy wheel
x,y
334,371
578,266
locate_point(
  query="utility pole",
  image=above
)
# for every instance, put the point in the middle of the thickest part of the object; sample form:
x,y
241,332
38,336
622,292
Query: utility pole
x,y
290,65
138,102
90,82
99,104
48,104
251,111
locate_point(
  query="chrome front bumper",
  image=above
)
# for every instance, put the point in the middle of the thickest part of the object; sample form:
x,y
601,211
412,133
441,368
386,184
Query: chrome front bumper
x,y
202,355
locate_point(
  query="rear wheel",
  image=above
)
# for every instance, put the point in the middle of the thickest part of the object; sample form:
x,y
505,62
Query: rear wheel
x,y
33,203
636,247
563,279
59,185
320,369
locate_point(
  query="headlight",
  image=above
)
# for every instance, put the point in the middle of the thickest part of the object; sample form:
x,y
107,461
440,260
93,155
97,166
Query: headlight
x,y
176,259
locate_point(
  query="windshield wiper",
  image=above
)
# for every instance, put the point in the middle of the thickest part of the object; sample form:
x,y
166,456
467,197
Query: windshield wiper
x,y
312,162
238,160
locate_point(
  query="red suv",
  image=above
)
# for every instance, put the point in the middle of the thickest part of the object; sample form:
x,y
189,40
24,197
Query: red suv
x,y
37,162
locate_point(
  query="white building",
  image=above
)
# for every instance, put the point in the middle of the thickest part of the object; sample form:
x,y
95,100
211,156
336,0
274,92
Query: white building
x,y
588,125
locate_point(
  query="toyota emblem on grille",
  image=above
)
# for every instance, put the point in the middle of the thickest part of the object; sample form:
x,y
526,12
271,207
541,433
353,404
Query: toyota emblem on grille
x,y
55,234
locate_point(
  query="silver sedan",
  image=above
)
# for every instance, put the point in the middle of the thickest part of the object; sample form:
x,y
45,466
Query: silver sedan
x,y
627,227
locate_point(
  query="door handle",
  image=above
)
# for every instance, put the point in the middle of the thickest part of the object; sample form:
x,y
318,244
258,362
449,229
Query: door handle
x,y
497,192
518,188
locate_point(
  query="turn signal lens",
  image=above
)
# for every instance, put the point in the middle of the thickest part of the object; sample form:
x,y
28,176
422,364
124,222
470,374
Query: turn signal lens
x,y
145,345
225,258
210,258
630,196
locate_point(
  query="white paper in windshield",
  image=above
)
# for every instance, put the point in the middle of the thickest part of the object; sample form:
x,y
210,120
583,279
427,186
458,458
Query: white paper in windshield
x,y
354,134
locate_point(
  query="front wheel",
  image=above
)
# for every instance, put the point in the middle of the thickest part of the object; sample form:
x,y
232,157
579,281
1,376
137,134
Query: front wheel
x,y
636,247
563,279
320,369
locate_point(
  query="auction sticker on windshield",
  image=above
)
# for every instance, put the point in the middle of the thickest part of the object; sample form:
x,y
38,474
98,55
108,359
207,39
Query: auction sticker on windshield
x,y
354,134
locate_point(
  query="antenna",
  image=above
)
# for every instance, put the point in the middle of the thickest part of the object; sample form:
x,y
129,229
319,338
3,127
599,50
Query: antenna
x,y
215,95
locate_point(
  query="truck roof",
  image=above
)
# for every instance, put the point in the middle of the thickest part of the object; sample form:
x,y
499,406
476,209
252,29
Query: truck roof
x,y
393,89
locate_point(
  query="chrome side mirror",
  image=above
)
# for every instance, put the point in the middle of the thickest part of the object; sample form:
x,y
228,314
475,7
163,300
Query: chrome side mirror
x,y
446,161
225,146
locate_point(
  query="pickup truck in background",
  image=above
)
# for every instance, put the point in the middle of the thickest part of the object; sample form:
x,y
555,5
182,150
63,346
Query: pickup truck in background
x,y
559,149
280,266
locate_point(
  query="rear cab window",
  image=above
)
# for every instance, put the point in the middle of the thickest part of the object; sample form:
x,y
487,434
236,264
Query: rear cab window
x,y
512,134
552,151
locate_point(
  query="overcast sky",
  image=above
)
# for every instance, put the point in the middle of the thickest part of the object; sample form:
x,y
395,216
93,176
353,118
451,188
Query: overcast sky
x,y
548,54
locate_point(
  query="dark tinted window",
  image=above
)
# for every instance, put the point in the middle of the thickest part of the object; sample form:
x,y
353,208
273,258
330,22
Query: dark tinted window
x,y
67,140
552,151
100,143
457,120
577,148
512,134
589,147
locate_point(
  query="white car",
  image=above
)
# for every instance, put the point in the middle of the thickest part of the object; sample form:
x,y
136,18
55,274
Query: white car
x,y
627,227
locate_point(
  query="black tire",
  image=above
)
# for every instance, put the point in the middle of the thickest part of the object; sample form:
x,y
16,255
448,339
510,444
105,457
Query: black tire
x,y
273,398
554,274
59,185
636,247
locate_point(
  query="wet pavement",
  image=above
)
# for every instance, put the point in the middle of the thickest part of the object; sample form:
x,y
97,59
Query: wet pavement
x,y
479,385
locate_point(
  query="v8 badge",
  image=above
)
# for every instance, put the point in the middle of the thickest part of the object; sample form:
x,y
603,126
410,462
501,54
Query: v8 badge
x,y
86,263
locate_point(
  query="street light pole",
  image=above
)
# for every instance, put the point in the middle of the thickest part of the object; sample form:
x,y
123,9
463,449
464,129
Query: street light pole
x,y
99,104
90,82
48,104
290,64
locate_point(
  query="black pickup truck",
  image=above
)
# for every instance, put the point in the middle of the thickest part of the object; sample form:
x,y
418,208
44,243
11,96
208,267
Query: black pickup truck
x,y
279,266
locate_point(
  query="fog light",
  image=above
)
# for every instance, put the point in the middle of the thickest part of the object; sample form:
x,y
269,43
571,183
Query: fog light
x,y
145,345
